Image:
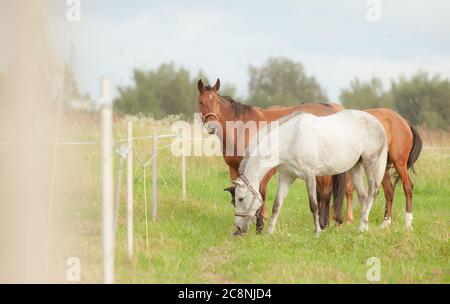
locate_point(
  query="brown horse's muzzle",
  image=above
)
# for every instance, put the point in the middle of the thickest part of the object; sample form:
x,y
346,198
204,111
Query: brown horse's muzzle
x,y
211,126
210,122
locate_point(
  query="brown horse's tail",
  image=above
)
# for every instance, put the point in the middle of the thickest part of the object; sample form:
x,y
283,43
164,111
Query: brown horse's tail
x,y
414,153
416,148
338,195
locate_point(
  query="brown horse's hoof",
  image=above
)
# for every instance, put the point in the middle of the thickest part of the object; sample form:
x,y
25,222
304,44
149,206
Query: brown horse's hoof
x,y
324,226
259,225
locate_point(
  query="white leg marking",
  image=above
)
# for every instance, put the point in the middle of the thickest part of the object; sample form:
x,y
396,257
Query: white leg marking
x,y
408,220
386,223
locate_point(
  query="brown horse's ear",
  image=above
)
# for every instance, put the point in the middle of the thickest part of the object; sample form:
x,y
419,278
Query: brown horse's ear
x,y
231,190
217,85
200,85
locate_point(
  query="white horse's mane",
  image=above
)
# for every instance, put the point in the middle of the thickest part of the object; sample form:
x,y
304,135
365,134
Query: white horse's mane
x,y
255,141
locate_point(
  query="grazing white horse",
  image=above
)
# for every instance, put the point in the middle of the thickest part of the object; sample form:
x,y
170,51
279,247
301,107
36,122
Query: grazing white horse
x,y
307,146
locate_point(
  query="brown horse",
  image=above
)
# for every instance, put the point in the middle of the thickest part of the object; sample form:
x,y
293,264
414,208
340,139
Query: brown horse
x,y
217,110
404,147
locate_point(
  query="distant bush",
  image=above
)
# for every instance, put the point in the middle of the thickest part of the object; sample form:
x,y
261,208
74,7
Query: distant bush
x,y
420,99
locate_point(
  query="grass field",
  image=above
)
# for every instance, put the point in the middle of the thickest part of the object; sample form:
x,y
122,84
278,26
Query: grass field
x,y
191,240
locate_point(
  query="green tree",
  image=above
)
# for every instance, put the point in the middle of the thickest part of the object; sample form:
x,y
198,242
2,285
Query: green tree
x,y
167,90
420,99
161,92
365,95
281,81
423,99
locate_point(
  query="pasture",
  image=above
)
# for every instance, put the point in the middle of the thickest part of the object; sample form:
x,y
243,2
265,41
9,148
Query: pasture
x,y
191,241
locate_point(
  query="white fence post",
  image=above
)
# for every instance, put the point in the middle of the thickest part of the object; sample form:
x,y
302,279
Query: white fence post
x,y
107,183
154,176
183,166
130,188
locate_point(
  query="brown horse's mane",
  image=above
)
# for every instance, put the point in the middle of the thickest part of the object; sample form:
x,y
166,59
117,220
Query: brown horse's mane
x,y
238,107
326,104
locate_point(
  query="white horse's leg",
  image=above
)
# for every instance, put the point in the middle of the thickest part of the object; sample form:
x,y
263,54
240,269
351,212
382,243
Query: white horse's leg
x,y
370,169
356,175
284,182
311,185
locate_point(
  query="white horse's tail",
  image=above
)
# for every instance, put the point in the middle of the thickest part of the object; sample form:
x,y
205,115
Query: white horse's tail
x,y
381,165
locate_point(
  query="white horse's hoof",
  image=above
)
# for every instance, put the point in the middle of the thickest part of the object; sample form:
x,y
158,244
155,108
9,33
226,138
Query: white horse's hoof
x,y
408,220
271,230
363,227
318,231
386,223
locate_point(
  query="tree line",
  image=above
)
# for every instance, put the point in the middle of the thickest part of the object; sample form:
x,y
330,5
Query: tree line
x,y
422,98
171,90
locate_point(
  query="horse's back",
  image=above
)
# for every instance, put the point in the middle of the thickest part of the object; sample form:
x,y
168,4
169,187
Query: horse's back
x,y
398,131
276,112
363,124
353,121
344,136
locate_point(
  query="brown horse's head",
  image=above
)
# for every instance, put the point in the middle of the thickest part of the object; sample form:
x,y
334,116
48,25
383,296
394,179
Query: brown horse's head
x,y
209,105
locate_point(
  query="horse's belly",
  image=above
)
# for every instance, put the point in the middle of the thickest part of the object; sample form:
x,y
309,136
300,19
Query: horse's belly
x,y
338,163
290,170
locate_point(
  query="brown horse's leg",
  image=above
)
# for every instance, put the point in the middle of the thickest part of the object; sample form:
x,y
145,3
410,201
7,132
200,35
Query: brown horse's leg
x,y
262,214
234,174
389,195
407,188
323,193
349,197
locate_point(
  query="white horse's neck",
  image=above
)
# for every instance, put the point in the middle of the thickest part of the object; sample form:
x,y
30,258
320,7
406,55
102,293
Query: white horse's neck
x,y
254,172
265,152
259,164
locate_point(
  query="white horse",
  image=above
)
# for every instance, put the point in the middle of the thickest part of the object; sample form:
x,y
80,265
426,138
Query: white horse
x,y
306,146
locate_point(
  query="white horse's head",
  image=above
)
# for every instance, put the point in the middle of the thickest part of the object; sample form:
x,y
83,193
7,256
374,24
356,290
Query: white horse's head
x,y
247,203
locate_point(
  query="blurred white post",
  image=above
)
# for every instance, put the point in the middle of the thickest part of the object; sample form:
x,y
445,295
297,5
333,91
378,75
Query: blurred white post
x,y
107,183
130,188
154,177
183,166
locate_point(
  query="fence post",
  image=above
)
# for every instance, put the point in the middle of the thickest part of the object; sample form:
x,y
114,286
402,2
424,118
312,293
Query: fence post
x,y
154,177
107,183
130,188
183,166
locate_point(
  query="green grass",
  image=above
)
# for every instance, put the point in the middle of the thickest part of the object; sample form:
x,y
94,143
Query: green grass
x,y
191,241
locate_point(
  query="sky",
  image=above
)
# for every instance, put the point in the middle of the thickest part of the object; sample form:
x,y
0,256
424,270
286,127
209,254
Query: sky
x,y
334,40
